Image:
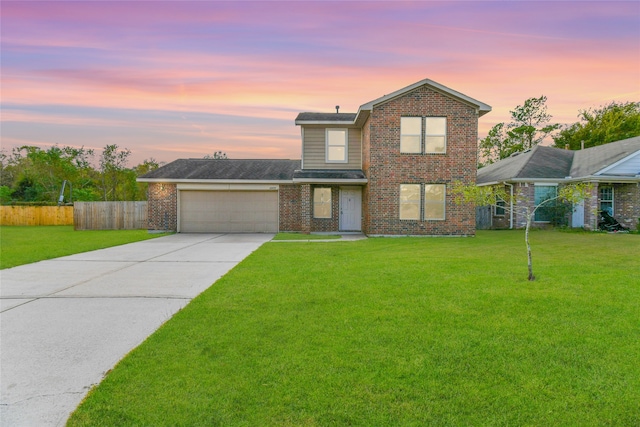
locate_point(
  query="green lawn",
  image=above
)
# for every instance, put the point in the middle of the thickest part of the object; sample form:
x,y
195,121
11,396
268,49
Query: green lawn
x,y
397,332
301,236
24,245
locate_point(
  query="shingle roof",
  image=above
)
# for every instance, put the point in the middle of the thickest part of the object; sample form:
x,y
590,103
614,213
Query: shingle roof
x,y
326,117
594,159
324,174
553,163
225,169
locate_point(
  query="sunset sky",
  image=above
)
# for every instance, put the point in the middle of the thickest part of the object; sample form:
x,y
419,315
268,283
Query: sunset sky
x,y
176,79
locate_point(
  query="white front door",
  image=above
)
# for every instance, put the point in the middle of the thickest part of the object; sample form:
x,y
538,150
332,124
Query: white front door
x,y
577,216
350,209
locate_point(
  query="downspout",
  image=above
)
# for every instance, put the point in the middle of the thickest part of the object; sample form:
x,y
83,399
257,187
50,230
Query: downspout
x,y
510,205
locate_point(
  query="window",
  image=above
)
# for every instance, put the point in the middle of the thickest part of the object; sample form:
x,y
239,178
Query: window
x,y
336,146
542,193
322,203
410,134
434,201
605,194
410,201
499,207
435,135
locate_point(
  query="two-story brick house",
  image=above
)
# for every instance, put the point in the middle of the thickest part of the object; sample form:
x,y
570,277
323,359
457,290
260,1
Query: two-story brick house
x,y
384,170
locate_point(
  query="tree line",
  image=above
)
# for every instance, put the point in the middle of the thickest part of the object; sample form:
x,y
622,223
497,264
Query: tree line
x,y
531,124
33,175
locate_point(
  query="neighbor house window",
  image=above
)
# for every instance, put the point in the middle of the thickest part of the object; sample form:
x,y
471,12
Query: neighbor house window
x,y
410,201
336,146
542,193
499,207
434,201
322,203
605,194
411,135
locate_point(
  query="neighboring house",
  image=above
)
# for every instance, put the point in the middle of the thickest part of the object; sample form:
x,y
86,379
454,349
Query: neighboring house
x,y
384,170
533,176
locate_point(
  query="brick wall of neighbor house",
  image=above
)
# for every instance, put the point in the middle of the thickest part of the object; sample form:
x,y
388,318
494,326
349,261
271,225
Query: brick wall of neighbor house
x,y
591,209
162,207
626,204
388,168
289,200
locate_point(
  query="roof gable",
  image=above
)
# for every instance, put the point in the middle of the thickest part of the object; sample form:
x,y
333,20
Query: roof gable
x,y
480,106
598,160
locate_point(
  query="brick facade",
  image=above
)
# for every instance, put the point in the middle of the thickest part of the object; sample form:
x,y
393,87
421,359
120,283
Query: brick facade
x,y
386,168
626,205
289,212
162,207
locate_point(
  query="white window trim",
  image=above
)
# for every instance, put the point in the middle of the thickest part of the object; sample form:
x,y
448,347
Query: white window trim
x,y
612,201
419,203
421,143
330,203
542,184
346,145
427,134
422,202
444,204
424,134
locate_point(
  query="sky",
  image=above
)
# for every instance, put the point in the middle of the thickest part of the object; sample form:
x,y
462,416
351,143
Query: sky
x,y
184,79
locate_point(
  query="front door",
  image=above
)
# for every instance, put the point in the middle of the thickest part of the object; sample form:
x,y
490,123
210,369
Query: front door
x,y
350,209
577,217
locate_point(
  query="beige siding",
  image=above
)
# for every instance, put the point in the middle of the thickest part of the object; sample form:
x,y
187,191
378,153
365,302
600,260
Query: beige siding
x,y
313,154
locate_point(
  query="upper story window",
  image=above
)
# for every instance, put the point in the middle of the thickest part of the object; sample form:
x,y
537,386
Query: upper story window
x,y
411,135
336,151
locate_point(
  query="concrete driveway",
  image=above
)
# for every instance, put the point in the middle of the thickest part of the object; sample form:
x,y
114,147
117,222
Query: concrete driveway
x,y
65,322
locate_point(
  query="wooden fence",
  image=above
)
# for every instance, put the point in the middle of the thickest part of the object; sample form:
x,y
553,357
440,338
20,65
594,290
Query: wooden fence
x,y
110,215
36,215
483,217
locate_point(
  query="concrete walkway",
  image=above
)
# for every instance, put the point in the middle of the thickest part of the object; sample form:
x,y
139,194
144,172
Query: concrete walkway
x,y
65,322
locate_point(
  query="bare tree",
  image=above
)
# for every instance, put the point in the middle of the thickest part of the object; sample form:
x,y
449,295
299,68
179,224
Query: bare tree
x,y
493,195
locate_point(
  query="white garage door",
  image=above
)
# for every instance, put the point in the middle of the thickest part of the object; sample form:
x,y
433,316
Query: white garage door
x,y
228,211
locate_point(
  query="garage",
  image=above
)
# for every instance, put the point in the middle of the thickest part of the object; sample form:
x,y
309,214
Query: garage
x,y
228,211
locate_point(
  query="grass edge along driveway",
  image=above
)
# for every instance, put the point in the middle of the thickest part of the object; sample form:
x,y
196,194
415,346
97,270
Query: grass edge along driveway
x,y
26,244
392,332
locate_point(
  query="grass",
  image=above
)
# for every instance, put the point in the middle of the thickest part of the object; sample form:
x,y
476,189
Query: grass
x,y
24,245
300,236
397,332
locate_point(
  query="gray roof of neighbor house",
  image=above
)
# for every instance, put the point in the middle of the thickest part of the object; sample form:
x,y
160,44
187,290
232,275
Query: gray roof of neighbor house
x,y
548,163
224,169
594,159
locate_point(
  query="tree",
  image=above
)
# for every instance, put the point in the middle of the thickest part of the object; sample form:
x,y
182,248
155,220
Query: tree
x,y
36,174
491,195
529,126
598,126
216,155
114,173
